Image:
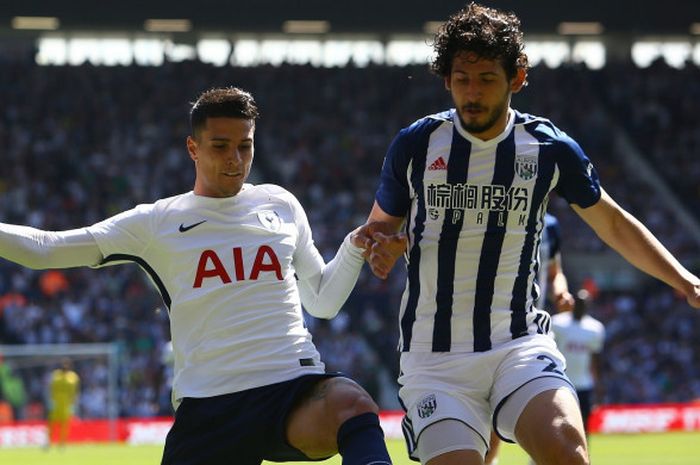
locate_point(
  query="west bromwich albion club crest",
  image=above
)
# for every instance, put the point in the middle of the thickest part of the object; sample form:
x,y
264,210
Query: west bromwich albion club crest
x,y
427,406
270,219
526,166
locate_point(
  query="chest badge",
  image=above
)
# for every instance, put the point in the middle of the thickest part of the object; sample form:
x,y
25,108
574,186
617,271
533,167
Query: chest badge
x,y
270,220
526,166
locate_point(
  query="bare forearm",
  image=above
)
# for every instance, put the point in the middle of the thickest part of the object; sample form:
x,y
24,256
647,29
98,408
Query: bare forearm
x,y
631,239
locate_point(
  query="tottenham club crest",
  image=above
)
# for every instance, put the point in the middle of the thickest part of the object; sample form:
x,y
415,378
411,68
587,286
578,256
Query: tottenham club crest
x,y
270,220
427,406
526,166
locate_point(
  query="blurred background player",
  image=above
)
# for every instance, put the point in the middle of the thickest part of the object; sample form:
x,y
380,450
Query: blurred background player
x,y
580,337
64,387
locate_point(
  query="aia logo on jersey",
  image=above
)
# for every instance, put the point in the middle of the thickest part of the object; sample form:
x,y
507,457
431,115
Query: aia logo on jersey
x,y
270,219
211,266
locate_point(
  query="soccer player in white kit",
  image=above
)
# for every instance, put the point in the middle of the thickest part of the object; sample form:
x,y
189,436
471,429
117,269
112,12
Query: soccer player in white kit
x,y
471,185
234,262
580,338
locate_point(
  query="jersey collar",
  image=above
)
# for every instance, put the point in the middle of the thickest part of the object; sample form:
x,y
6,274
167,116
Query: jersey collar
x,y
484,143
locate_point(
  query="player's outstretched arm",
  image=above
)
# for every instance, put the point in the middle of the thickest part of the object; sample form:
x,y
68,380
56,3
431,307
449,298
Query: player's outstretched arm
x,y
631,239
324,288
38,249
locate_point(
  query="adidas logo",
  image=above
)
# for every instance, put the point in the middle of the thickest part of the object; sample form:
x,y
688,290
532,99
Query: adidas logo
x,y
438,164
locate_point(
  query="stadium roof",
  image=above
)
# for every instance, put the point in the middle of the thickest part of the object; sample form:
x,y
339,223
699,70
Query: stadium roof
x,y
633,17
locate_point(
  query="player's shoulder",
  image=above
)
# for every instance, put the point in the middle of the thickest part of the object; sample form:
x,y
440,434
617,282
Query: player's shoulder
x,y
166,203
593,324
544,130
272,194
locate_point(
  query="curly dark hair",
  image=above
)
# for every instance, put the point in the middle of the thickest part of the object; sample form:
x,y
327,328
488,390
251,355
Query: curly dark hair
x,y
231,102
490,33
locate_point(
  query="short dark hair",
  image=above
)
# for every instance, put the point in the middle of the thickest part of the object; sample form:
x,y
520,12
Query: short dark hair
x,y
231,102
489,33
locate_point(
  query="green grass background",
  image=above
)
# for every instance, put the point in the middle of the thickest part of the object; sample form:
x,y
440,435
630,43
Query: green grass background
x,y
646,449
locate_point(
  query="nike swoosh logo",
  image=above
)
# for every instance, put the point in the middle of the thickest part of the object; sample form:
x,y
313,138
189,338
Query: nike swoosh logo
x,y
184,228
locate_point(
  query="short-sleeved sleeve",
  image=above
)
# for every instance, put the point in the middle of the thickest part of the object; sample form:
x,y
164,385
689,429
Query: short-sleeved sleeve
x,y
393,194
578,180
127,233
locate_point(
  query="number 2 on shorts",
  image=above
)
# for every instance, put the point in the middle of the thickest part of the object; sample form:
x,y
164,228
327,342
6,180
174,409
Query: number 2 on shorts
x,y
552,367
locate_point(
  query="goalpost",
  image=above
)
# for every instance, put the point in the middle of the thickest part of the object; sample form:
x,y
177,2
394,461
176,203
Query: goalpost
x,y
33,363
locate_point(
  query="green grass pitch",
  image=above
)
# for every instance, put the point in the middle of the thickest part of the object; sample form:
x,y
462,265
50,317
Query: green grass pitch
x,y
647,449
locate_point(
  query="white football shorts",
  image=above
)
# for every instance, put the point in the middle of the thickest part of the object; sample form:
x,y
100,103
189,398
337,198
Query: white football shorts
x,y
476,388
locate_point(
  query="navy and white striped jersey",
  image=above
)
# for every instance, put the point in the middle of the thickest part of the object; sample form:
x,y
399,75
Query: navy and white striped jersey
x,y
550,246
475,214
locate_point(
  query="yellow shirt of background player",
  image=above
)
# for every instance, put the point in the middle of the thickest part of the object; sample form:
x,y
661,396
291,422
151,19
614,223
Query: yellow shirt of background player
x,y
64,390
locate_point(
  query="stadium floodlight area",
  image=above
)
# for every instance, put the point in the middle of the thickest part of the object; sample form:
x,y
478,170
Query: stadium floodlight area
x,y
75,50
97,364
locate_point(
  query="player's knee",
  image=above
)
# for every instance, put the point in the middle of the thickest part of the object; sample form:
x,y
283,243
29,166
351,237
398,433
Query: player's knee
x,y
567,448
347,399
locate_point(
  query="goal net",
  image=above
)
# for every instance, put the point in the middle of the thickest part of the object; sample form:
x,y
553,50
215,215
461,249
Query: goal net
x,y
25,372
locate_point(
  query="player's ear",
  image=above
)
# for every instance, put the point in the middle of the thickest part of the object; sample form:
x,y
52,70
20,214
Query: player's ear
x,y
192,148
447,83
519,81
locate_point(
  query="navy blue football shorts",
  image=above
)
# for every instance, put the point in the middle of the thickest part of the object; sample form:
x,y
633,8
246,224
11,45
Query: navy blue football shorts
x,y
242,428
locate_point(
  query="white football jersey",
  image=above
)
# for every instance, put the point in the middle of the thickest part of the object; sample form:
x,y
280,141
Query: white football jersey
x,y
226,270
578,340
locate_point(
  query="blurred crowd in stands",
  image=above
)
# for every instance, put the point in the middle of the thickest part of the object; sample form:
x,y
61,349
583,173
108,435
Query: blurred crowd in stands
x,y
82,143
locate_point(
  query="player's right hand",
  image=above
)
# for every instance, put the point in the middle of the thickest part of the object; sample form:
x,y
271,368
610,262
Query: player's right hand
x,y
385,251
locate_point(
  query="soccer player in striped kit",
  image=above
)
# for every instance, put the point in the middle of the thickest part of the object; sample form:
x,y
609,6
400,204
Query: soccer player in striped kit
x,y
471,185
233,262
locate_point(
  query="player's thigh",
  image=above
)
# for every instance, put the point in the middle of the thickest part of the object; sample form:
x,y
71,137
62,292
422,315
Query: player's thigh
x,y
536,405
550,429
312,425
450,442
440,389
533,364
